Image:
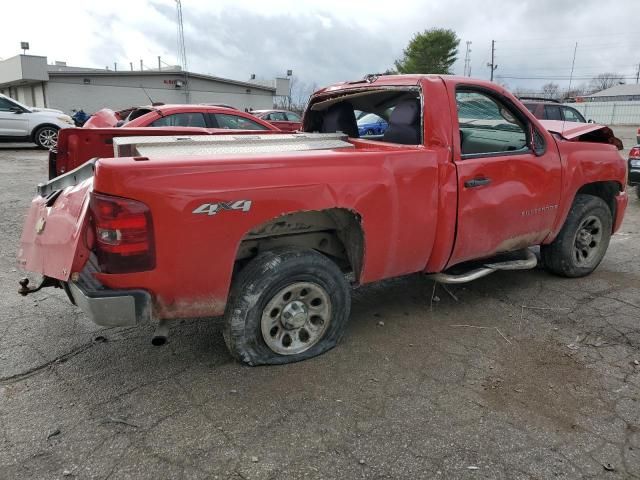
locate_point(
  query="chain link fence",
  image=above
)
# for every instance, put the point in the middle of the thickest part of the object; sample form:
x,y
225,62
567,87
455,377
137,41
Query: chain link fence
x,y
610,113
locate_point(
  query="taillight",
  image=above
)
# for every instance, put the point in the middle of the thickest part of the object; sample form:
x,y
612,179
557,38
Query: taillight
x,y
123,234
634,153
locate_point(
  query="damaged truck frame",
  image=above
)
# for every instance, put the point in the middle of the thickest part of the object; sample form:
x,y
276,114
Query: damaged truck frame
x,y
272,231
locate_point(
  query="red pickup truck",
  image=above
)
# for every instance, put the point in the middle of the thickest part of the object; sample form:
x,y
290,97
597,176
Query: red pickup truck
x,y
272,230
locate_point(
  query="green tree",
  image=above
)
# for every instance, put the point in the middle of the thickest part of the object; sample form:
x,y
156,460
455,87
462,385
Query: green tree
x,y
432,51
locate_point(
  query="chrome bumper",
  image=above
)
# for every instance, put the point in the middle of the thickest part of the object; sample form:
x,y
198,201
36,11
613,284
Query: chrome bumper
x,y
113,308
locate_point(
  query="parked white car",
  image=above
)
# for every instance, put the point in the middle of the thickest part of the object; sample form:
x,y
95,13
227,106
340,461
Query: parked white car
x,y
20,123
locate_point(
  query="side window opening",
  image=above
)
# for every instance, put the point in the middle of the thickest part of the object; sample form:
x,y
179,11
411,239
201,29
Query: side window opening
x,y
6,105
488,126
552,112
236,122
389,115
572,115
195,119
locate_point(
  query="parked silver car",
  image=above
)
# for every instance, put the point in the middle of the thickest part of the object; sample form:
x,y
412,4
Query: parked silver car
x,y
20,123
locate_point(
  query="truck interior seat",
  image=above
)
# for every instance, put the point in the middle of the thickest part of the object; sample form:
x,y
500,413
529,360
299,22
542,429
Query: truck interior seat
x,y
340,117
404,123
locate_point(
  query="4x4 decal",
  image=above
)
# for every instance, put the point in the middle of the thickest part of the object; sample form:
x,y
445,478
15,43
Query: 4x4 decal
x,y
214,208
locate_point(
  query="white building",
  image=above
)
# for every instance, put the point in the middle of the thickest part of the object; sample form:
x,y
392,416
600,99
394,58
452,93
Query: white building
x,y
30,80
617,93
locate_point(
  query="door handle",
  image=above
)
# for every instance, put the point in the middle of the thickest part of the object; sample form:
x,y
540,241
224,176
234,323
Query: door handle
x,y
477,182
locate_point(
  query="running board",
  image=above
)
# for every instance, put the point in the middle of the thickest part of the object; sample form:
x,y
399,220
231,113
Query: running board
x,y
528,263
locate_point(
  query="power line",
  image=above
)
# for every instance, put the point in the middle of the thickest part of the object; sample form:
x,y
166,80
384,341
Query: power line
x,y
571,37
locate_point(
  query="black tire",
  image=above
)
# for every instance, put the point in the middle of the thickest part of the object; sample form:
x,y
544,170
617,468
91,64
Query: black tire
x,y
46,137
565,255
638,191
260,283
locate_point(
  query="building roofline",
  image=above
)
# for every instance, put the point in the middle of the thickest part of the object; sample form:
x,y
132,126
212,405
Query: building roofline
x,y
111,73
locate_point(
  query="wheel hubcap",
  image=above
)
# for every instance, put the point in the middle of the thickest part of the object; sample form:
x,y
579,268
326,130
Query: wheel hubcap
x,y
48,138
588,240
296,318
294,315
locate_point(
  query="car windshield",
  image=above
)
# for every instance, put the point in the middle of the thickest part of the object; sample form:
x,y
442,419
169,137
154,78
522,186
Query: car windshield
x,y
369,118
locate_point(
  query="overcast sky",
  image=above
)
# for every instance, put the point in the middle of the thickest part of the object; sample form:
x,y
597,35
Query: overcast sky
x,y
332,40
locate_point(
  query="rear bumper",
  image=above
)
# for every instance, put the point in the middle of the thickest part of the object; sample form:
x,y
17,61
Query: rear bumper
x,y
622,199
634,176
113,308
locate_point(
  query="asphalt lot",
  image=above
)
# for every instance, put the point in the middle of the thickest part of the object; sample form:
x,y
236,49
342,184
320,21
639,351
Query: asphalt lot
x,y
520,375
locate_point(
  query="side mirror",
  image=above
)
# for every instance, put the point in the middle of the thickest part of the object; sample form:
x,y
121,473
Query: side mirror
x,y
538,145
590,121
16,110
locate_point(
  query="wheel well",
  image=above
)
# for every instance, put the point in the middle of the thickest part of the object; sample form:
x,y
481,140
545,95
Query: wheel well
x,y
35,130
335,232
607,191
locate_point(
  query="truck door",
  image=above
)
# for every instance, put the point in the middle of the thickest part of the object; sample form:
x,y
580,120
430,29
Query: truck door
x,y
508,195
14,122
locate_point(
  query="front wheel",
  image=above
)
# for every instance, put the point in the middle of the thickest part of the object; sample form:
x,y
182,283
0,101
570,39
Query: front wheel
x,y
286,305
581,244
46,137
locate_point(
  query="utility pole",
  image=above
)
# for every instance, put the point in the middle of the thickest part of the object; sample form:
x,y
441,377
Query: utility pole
x,y
493,65
467,61
638,74
182,51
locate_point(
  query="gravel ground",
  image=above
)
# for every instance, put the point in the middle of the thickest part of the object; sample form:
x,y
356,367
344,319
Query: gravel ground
x,y
521,375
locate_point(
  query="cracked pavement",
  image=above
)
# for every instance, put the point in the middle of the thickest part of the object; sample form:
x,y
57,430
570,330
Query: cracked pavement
x,y
548,388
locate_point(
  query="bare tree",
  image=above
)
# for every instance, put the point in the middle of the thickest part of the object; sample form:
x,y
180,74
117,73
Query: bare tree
x,y
300,93
605,80
574,92
550,90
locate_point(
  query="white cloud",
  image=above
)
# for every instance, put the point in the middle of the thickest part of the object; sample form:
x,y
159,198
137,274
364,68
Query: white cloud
x,y
332,40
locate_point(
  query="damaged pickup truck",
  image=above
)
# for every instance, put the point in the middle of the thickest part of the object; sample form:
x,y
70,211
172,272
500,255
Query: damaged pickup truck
x,y
271,231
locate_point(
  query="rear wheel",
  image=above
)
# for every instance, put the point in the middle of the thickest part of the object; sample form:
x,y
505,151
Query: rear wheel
x,y
46,137
583,241
286,305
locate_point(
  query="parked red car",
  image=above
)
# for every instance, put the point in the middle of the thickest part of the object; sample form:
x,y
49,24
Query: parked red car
x,y
283,119
273,230
175,115
545,109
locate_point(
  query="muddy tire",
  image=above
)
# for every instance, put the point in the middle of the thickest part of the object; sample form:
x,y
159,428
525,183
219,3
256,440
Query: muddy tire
x,y
286,305
582,243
